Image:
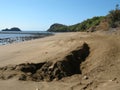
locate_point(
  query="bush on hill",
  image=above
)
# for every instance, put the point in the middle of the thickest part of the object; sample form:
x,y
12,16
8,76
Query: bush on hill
x,y
93,24
83,26
114,17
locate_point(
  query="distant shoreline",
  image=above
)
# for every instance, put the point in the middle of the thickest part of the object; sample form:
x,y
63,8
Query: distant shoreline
x,y
17,36
25,32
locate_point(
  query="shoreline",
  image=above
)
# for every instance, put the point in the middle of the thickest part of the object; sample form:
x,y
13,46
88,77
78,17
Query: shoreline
x,y
98,69
38,50
27,37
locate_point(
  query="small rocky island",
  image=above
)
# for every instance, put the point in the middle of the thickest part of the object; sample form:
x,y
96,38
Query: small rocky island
x,y
12,29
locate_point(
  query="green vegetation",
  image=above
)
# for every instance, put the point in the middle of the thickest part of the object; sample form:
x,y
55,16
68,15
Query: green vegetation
x,y
83,26
58,28
114,17
98,22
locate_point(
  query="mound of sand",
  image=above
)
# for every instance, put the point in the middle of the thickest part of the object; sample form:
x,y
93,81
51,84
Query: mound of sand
x,y
49,71
71,61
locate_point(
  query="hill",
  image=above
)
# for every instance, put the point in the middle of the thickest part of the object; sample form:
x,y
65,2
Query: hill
x,y
83,26
111,20
58,28
12,29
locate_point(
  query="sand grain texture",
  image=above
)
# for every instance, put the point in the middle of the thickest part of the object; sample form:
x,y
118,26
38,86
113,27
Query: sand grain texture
x,y
100,70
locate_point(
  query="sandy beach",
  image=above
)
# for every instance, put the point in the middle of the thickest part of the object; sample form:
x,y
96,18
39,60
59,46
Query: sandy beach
x,y
99,71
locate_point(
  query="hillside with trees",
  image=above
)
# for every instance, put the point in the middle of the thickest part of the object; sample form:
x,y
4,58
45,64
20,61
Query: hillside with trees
x,y
83,26
111,20
58,28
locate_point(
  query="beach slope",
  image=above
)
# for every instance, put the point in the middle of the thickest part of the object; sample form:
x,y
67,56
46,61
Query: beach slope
x,y
99,66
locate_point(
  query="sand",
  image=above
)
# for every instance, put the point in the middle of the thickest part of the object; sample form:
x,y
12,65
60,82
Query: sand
x,y
100,70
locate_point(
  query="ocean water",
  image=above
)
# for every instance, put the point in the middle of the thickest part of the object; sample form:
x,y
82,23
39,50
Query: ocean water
x,y
2,36
13,37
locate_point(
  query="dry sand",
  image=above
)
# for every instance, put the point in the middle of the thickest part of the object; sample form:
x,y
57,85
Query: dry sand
x,y
100,70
